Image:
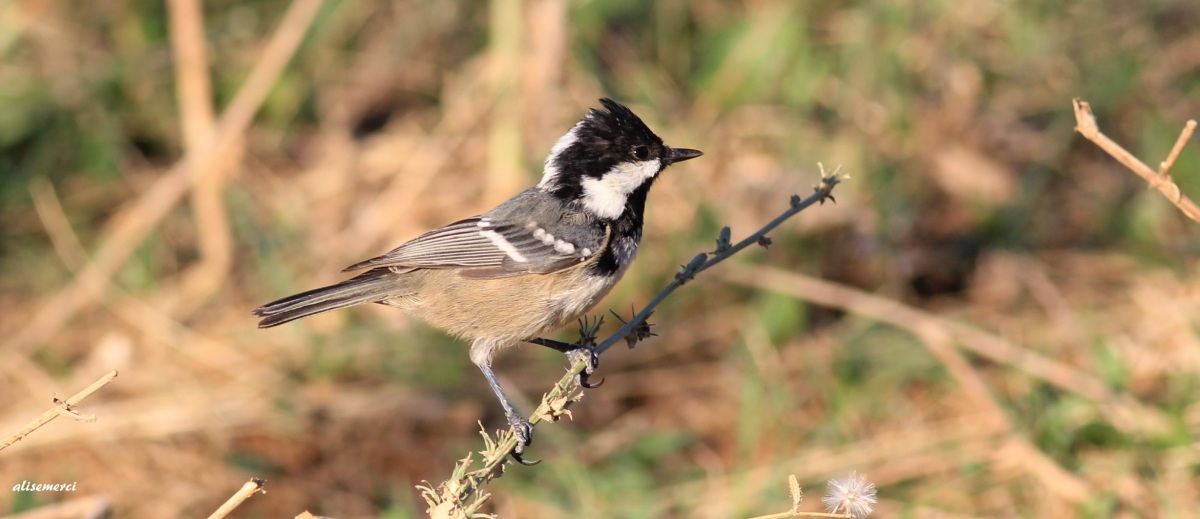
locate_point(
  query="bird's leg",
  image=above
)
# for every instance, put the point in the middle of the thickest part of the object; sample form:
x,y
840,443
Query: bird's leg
x,y
521,428
575,353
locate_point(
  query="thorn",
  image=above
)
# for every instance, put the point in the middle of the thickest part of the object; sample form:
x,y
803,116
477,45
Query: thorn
x,y
640,332
588,331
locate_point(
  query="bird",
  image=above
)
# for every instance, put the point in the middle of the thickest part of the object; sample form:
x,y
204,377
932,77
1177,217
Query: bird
x,y
534,263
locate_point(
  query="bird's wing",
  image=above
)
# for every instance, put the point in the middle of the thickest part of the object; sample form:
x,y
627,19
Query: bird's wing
x,y
485,248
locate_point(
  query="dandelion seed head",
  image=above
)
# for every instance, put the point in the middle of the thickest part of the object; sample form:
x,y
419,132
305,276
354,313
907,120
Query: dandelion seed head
x,y
852,495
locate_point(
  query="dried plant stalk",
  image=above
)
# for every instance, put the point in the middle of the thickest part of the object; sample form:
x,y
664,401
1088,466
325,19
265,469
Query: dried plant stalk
x,y
254,486
63,407
1161,179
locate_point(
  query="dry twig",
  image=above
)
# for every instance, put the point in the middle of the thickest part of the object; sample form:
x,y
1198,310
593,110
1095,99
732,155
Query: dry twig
x,y
506,171
461,496
61,407
797,496
254,486
194,92
1161,179
789,513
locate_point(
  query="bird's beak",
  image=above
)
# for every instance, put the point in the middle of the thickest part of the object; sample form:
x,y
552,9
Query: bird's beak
x,y
682,154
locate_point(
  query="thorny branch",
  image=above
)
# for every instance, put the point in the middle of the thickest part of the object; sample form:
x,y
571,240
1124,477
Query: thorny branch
x,y
461,495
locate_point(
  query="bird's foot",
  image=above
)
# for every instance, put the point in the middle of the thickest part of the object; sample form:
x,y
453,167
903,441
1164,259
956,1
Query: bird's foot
x,y
523,431
585,349
579,353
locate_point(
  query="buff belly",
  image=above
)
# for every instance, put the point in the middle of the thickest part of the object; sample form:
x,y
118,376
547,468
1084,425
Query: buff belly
x,y
466,307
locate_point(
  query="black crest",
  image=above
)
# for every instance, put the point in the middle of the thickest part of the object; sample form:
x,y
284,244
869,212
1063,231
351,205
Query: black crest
x,y
602,139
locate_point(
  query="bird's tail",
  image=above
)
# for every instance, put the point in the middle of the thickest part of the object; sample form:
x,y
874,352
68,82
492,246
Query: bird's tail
x,y
369,287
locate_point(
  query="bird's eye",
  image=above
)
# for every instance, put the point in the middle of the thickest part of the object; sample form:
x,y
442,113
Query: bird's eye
x,y
641,152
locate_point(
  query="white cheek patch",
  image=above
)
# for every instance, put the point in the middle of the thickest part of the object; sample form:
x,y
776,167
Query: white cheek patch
x,y
550,172
606,196
504,245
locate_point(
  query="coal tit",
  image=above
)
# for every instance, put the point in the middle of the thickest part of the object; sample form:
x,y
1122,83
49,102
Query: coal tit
x,y
531,265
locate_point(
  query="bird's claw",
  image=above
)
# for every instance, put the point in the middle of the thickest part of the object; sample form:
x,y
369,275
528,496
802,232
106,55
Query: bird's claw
x,y
523,431
528,463
583,382
593,362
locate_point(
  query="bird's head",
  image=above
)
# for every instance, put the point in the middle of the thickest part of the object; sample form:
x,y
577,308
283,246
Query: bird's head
x,y
607,157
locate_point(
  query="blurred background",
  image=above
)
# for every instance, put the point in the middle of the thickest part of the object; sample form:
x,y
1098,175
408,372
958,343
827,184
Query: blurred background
x,y
1009,323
